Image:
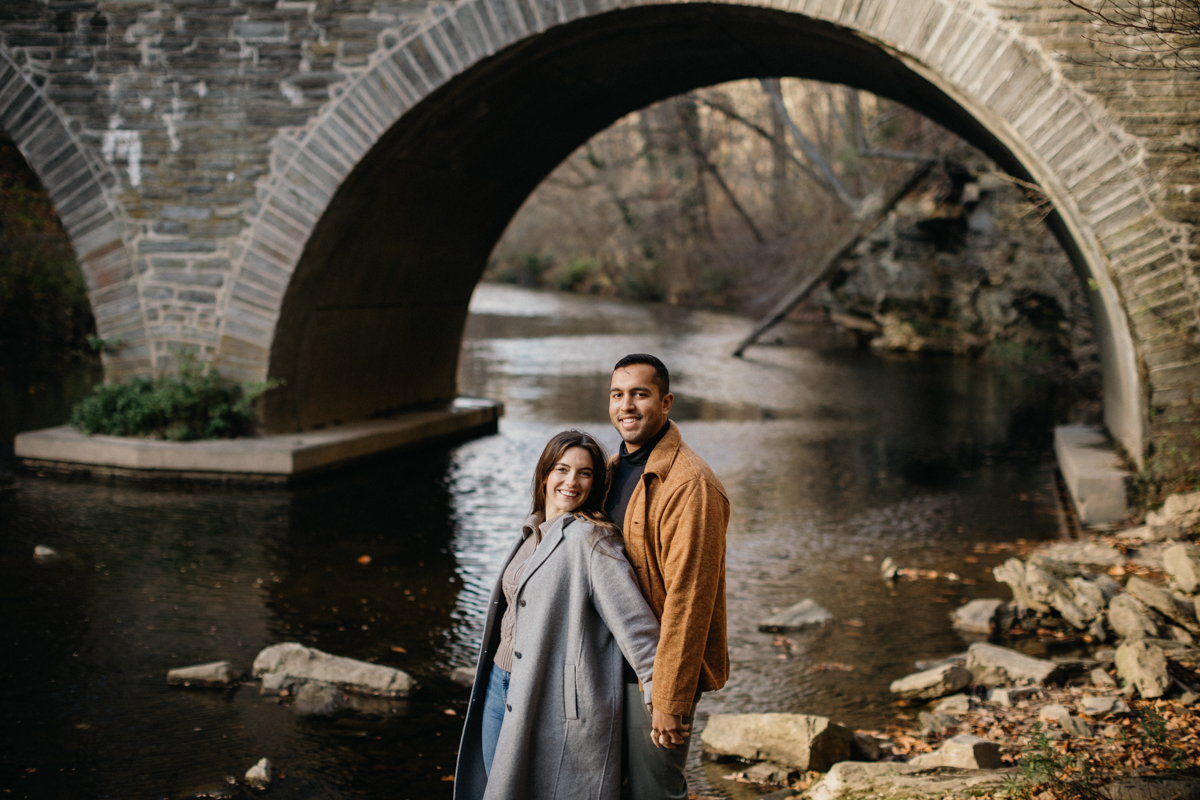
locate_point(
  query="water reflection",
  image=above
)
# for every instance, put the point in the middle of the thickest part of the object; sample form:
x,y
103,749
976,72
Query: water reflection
x,y
832,459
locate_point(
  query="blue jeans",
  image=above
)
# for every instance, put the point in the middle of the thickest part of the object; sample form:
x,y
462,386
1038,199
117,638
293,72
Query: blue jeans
x,y
493,714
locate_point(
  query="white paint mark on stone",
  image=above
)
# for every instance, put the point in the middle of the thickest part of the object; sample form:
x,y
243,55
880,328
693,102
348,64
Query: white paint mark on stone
x,y
146,103
118,145
292,93
170,119
201,89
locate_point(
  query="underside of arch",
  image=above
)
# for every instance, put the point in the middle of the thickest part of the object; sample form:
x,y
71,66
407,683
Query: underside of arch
x,y
78,184
373,314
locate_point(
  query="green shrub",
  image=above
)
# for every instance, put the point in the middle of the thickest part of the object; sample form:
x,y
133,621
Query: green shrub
x,y
193,404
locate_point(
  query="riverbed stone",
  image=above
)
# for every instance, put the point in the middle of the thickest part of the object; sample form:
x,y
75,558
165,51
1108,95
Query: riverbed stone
x,y
1106,706
800,741
1092,553
866,747
260,775
464,676
1165,603
44,554
215,674
933,723
1144,667
1062,716
894,780
989,662
963,751
311,664
1182,562
766,772
319,699
983,616
1130,618
1100,677
1009,696
954,704
937,682
802,615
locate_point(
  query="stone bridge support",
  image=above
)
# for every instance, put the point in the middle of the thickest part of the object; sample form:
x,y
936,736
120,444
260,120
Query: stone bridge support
x,y
310,190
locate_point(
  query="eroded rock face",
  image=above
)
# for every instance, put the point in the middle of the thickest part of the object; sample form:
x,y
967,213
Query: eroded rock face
x,y
937,682
800,741
1145,667
308,663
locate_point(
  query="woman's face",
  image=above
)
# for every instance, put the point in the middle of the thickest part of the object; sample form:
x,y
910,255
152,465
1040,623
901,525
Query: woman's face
x,y
569,482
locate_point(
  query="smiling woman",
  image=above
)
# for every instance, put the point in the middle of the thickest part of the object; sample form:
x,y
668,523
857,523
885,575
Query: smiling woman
x,y
564,617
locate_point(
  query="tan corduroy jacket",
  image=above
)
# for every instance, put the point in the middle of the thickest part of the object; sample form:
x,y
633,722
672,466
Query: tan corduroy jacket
x,y
674,531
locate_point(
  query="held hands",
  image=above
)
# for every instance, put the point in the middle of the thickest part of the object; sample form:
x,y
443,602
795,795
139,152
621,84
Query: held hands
x,y
667,730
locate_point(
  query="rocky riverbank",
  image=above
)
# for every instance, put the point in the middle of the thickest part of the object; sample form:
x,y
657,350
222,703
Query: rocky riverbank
x,y
1115,719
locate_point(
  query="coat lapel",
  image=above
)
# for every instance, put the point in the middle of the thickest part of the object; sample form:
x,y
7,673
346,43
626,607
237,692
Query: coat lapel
x,y
550,541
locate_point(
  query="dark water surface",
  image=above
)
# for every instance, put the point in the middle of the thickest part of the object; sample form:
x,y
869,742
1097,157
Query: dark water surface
x,y
832,460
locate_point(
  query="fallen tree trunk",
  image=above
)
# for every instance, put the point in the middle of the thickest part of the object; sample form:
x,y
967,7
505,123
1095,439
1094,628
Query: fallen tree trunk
x,y
830,263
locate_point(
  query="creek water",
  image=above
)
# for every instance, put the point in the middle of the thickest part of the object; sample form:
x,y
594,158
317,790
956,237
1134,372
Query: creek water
x,y
832,459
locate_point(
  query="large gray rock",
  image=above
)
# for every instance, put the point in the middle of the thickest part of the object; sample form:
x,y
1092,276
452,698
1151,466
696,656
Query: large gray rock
x,y
1182,562
800,741
991,662
1178,516
1102,706
215,674
856,779
1012,572
1094,553
802,615
963,751
1165,603
983,616
311,664
1088,597
1144,667
1129,618
937,682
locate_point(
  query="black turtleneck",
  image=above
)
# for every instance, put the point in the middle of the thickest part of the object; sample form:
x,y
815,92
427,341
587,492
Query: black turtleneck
x,y
629,472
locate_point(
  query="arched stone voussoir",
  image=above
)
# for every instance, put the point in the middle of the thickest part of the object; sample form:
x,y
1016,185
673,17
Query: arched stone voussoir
x,y
80,185
380,216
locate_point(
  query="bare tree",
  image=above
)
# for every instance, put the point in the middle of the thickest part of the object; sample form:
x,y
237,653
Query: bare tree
x,y
1166,30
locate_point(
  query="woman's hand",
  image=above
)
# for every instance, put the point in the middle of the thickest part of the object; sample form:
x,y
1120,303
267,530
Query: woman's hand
x,y
667,730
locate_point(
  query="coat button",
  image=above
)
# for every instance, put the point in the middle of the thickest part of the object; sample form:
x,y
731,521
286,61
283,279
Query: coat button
x,y
508,707
518,655
522,604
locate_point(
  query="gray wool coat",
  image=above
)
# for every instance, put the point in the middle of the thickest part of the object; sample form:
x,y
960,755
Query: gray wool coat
x,y
579,610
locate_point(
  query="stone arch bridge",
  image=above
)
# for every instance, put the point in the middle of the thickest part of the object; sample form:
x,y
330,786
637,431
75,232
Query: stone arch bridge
x,y
309,189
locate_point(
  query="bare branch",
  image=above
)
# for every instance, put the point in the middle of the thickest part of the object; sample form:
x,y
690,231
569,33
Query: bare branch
x,y
859,134
1164,28
736,117
771,87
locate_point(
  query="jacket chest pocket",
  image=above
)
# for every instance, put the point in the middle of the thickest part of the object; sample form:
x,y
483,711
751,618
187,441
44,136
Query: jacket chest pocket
x,y
570,702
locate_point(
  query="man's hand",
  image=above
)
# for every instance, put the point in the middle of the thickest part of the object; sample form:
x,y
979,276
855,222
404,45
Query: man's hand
x,y
667,730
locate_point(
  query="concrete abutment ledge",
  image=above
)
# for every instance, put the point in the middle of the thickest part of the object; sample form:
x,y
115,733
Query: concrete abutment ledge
x,y
273,459
1095,477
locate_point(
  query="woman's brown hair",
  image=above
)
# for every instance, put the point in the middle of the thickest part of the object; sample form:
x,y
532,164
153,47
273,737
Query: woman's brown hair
x,y
592,508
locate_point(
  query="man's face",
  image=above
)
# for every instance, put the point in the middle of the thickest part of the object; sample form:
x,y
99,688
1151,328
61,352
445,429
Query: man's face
x,y
635,405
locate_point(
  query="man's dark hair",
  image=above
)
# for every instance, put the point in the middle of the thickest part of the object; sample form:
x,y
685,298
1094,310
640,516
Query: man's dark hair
x,y
662,378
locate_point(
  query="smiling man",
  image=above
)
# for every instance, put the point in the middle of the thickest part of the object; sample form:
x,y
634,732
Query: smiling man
x,y
673,513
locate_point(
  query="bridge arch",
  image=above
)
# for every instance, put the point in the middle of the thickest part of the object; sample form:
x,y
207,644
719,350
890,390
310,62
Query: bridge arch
x,y
81,187
379,215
